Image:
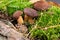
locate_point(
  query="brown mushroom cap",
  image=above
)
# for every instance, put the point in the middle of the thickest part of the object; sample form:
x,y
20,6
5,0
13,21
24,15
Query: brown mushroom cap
x,y
17,14
30,12
41,5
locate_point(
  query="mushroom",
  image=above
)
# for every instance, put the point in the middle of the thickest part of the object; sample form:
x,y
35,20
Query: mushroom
x,y
18,17
41,5
17,14
30,14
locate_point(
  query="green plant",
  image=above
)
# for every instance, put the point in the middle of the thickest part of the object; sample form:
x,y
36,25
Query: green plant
x,y
49,17
12,5
47,25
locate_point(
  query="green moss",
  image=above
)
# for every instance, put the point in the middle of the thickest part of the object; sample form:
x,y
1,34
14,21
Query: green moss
x,y
13,5
48,18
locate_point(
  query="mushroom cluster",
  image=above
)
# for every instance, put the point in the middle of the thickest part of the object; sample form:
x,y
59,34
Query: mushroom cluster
x,y
29,14
17,14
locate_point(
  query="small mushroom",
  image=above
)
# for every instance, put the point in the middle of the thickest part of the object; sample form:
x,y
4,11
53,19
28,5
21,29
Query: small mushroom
x,y
41,5
18,17
17,14
30,14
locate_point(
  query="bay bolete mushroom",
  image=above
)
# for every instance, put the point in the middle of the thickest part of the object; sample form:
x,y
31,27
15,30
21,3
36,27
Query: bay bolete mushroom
x,y
17,14
30,13
18,17
41,5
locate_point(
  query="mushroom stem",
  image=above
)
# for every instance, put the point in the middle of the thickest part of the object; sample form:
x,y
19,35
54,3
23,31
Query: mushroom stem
x,y
20,20
26,18
31,21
